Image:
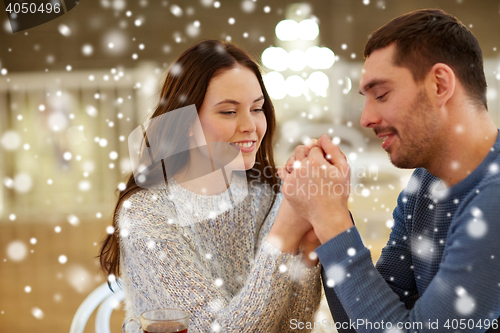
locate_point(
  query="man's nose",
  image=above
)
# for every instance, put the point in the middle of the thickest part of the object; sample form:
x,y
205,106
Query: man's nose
x,y
369,116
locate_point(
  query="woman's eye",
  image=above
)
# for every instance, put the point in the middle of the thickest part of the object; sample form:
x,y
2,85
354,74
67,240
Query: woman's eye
x,y
258,110
227,112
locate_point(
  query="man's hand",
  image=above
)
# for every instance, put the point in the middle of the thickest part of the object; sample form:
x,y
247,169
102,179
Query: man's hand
x,y
318,188
308,244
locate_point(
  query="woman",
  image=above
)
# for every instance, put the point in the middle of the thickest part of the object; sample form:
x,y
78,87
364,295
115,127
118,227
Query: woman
x,y
192,231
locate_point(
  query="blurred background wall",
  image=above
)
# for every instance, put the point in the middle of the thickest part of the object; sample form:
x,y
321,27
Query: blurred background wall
x,y
72,90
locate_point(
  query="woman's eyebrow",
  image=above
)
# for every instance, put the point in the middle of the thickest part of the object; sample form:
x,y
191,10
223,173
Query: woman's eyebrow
x,y
232,101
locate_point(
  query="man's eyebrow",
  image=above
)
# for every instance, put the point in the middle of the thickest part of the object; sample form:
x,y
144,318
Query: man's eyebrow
x,y
372,84
232,101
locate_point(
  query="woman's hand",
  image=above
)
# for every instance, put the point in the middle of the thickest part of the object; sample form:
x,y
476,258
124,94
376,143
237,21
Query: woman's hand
x,y
301,152
308,244
288,230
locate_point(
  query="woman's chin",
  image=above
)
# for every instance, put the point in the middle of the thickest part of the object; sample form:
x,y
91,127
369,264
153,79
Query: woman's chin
x,y
249,164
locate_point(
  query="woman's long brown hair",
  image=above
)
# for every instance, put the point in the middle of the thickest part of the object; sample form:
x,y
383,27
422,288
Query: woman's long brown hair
x,y
186,84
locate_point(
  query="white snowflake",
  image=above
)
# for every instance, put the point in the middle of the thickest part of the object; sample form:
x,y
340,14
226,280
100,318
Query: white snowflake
x,y
336,273
465,303
477,228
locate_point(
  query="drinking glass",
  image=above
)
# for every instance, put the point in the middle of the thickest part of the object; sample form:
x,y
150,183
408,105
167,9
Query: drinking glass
x,y
160,321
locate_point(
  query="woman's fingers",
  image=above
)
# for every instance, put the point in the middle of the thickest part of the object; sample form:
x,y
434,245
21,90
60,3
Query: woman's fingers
x,y
301,152
309,145
281,173
333,153
289,163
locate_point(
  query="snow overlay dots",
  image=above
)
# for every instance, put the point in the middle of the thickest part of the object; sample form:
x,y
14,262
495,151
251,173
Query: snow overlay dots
x,y
493,168
176,10
218,282
477,227
422,247
27,289
465,303
37,313
248,6
17,251
215,326
336,273
283,268
124,233
351,252
73,220
176,70
110,230
62,259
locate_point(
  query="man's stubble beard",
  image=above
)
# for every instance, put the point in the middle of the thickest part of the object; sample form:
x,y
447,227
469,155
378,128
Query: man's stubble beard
x,y
419,144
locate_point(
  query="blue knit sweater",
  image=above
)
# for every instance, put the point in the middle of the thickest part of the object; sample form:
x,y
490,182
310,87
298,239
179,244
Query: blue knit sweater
x,y
440,269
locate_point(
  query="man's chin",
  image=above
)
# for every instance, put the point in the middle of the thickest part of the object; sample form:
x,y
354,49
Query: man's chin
x,y
400,163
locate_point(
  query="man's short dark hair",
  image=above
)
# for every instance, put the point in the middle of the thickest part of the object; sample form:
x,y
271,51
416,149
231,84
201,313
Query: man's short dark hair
x,y
429,36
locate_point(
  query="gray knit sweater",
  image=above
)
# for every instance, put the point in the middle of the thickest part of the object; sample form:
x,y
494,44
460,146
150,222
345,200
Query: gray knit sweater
x,y
198,253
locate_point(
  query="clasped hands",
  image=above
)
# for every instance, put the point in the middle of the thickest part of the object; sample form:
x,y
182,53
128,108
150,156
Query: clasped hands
x,y
316,187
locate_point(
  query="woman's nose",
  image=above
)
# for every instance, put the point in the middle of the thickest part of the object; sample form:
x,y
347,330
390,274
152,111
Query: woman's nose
x,y
247,122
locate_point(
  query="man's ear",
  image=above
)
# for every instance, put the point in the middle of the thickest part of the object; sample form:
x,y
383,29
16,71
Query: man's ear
x,y
442,83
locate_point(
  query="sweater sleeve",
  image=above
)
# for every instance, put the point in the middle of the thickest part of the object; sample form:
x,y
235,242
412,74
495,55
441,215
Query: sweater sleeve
x,y
306,283
305,299
465,289
168,272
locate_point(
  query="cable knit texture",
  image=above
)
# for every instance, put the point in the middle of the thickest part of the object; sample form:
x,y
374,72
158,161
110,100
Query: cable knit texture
x,y
208,256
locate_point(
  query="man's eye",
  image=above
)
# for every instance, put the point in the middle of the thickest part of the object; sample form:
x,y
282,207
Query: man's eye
x,y
381,96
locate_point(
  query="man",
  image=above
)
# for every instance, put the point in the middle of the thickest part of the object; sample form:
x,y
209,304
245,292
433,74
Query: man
x,y
425,93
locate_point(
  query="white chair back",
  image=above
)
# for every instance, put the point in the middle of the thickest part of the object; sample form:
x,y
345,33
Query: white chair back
x,y
103,298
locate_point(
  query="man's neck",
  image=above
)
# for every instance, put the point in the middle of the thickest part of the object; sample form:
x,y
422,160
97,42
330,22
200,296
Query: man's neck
x,y
466,146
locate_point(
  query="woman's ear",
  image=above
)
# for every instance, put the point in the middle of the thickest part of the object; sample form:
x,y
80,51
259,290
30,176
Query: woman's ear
x,y
442,82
